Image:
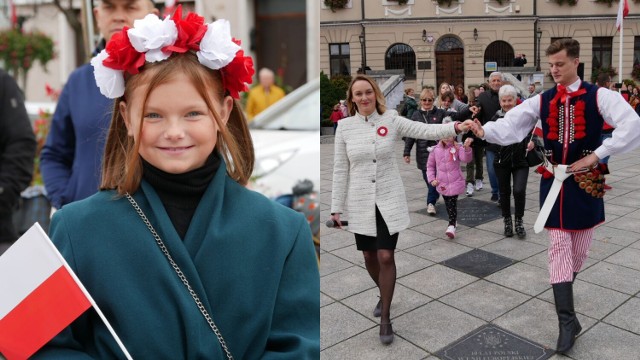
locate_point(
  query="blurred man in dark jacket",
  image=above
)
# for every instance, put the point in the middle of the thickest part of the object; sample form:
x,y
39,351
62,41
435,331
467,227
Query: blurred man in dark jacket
x,y
17,151
489,103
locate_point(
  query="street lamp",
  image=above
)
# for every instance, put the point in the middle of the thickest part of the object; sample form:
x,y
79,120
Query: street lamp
x,y
475,34
424,35
538,36
363,48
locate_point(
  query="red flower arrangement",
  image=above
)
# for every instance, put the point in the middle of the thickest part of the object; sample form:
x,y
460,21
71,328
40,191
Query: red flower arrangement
x,y
152,39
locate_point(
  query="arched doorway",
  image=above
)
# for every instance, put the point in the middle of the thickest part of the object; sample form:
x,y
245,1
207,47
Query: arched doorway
x,y
401,56
500,52
449,61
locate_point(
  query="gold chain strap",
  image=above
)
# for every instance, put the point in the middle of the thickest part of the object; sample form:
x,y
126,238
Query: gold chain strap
x,y
182,277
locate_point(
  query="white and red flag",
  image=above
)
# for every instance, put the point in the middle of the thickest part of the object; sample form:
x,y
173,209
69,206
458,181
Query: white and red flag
x,y
623,11
40,295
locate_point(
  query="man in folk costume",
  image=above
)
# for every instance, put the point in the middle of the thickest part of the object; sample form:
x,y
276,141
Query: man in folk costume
x,y
573,114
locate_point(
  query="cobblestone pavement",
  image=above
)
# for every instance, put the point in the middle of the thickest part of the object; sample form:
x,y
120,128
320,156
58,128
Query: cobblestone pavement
x,y
435,305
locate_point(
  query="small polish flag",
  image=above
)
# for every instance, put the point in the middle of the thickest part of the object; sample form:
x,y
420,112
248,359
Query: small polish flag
x,y
537,130
623,11
40,295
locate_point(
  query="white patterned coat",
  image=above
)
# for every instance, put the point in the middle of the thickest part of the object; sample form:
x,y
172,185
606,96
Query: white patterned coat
x,y
365,171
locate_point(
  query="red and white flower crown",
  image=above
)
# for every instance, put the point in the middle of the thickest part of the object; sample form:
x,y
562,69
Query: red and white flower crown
x,y
152,39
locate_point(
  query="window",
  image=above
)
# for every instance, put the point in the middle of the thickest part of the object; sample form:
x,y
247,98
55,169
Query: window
x,y
602,48
401,56
500,52
636,50
339,59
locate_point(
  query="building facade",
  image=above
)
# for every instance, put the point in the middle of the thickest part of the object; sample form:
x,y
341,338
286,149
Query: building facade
x,y
462,41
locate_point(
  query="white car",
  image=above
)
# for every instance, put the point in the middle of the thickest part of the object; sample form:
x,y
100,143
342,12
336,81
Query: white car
x,y
286,137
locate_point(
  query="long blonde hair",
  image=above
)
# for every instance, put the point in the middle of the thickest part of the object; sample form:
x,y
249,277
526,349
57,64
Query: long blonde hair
x,y
122,165
380,102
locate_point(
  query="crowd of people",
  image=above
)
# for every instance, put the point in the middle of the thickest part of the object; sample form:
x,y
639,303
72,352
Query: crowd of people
x,y
499,123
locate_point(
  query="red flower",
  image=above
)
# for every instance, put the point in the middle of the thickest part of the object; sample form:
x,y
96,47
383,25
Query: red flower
x,y
190,32
122,55
238,73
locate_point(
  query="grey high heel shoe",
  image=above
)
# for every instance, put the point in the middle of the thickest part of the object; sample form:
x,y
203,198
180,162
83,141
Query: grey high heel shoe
x,y
386,333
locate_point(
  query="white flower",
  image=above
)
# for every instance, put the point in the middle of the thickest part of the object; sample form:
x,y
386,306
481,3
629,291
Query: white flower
x,y
150,35
217,49
110,81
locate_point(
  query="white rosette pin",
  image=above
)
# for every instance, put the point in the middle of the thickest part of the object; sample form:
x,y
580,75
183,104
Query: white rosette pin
x,y
150,35
217,48
110,81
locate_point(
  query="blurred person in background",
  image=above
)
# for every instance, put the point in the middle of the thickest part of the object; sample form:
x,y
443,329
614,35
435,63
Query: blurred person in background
x,y
17,149
460,95
336,115
71,158
489,103
410,103
263,95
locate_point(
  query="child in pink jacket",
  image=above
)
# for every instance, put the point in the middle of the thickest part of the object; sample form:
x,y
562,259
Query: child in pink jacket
x,y
444,173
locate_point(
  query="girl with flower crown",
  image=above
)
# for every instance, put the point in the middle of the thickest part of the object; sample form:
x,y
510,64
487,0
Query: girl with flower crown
x,y
184,261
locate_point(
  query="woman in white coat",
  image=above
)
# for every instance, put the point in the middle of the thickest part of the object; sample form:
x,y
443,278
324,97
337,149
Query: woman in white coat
x,y
367,184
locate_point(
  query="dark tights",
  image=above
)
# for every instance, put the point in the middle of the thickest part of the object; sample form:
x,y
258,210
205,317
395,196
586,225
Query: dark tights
x,y
381,266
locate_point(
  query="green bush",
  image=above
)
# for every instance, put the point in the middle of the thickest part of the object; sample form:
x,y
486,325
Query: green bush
x,y
332,91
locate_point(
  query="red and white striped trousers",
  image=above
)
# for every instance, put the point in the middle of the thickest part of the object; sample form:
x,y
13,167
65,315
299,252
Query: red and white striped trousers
x,y
567,252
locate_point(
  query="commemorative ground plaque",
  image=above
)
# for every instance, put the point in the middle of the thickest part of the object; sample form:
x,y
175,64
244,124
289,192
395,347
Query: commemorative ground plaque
x,y
478,263
491,342
471,212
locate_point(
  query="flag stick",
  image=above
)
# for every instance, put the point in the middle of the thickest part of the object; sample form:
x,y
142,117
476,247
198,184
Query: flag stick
x,y
86,293
620,55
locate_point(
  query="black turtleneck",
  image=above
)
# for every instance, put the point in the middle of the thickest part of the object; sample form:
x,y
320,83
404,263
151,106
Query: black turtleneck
x,y
181,193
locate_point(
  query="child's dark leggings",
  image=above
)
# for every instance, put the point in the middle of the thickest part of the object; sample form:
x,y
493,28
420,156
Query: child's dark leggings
x,y
451,203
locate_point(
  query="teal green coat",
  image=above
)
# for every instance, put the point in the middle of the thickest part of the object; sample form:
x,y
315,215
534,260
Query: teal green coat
x,y
251,261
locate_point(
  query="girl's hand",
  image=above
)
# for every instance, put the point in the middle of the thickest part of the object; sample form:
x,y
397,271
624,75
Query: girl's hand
x,y
468,142
530,146
407,159
434,183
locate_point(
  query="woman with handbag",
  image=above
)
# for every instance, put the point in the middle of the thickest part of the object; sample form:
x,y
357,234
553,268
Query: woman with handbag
x,y
185,260
511,162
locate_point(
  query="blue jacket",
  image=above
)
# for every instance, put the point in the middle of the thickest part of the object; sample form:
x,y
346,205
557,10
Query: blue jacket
x,y
250,260
71,159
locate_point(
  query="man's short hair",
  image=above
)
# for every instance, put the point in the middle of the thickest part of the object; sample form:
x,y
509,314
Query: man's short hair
x,y
572,47
497,74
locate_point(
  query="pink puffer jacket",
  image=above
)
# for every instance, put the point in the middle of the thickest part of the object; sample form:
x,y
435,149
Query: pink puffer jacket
x,y
444,166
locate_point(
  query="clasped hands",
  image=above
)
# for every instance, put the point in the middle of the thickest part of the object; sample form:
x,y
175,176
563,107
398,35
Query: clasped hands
x,y
471,125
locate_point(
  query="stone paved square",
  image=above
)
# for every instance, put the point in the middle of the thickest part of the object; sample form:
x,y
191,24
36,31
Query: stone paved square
x,y
435,306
